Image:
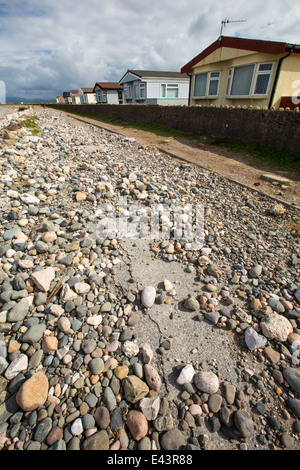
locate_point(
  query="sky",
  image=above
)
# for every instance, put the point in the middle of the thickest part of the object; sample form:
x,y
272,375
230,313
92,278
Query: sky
x,y
51,46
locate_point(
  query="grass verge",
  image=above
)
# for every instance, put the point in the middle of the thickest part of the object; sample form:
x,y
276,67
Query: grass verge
x,y
31,124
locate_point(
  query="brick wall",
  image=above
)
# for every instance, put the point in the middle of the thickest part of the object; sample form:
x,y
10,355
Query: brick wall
x,y
278,129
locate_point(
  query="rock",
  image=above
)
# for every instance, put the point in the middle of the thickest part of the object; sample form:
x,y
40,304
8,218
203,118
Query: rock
x,y
130,348
255,271
207,382
33,334
150,407
98,441
43,278
33,392
173,440
18,312
80,197
275,326
191,304
186,375
121,372
297,294
102,417
152,377
215,402
292,376
19,364
29,199
294,405
148,296
244,423
96,365
277,210
49,343
137,424
134,389
147,354
253,339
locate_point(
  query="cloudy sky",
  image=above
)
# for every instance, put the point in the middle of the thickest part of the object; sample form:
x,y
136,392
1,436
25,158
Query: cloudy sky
x,y
51,46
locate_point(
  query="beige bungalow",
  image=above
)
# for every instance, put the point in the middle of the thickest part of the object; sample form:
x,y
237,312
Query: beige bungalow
x,y
237,71
87,96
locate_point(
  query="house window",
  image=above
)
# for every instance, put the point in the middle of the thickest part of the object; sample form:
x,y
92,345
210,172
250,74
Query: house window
x,y
168,90
263,77
206,85
136,91
242,80
142,91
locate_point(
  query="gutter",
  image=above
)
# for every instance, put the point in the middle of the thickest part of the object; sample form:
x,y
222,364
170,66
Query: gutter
x,y
278,73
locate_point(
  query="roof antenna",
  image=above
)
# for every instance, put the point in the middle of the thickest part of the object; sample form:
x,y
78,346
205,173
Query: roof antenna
x,y
226,21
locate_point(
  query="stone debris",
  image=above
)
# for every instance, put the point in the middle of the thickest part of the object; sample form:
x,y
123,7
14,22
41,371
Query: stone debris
x,y
74,374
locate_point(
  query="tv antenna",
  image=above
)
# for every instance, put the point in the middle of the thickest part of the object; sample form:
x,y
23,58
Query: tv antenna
x,y
226,21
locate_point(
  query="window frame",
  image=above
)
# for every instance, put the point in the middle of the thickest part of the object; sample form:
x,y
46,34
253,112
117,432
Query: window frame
x,y
209,79
256,73
169,86
263,72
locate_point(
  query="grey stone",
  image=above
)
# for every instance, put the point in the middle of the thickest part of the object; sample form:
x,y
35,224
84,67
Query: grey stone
x,y
173,440
292,376
244,423
18,312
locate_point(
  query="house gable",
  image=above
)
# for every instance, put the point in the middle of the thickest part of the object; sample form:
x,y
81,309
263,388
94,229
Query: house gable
x,y
227,43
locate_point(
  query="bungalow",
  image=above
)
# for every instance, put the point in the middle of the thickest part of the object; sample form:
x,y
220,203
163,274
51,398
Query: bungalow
x,y
108,92
60,99
87,96
153,87
236,71
67,97
75,96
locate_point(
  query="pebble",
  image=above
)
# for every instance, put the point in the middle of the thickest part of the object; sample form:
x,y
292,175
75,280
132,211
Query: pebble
x,y
207,382
137,424
148,296
33,392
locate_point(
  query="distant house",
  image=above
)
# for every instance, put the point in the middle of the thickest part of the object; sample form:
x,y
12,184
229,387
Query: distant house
x,y
60,99
108,92
67,97
75,96
237,71
87,96
153,87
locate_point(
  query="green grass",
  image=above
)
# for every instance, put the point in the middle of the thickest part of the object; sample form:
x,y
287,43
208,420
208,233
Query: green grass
x,y
275,159
31,124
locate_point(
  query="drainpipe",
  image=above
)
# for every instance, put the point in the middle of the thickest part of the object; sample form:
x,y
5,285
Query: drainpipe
x,y
277,75
190,86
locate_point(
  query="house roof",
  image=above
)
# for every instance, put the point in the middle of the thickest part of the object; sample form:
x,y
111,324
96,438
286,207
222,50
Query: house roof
x,y
255,45
87,90
154,74
74,92
109,85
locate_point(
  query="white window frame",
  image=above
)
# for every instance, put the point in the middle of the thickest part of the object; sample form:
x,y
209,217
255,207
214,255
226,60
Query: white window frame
x,y
263,72
209,79
256,73
169,86
142,91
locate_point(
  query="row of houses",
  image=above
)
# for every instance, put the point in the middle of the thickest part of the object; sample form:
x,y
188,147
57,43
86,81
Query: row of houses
x,y
231,71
